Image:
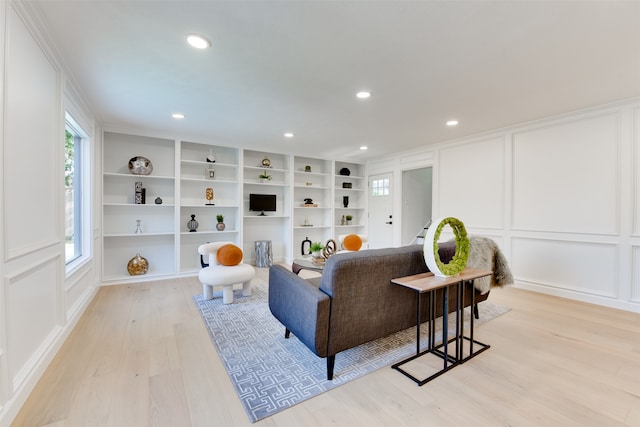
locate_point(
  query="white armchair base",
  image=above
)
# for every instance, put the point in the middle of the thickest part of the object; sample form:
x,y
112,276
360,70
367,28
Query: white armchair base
x,y
226,277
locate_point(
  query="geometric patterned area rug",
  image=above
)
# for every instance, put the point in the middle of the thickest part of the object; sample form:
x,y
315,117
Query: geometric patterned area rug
x,y
271,373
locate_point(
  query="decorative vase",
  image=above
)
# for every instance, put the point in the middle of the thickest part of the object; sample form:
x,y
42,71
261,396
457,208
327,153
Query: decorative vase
x,y
220,226
158,201
192,224
348,222
345,201
316,254
138,226
139,165
305,247
137,265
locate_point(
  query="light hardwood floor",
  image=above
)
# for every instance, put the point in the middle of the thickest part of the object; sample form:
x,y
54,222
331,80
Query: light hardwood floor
x,y
140,356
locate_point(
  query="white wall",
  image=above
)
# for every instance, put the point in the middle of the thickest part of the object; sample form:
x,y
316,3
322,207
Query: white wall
x,y
560,196
39,302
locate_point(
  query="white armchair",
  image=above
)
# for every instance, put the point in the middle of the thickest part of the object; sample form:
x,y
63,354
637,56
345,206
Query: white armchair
x,y
222,276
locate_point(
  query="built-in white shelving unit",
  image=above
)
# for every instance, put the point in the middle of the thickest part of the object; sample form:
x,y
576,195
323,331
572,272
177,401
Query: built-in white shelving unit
x,y
274,226
197,174
120,213
182,173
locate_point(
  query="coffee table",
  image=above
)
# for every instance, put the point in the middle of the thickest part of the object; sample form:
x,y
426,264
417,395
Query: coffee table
x,y
306,263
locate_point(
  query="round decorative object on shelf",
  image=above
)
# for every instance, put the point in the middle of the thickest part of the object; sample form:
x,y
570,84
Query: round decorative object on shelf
x,y
431,254
139,165
158,201
138,265
220,226
266,162
345,172
192,224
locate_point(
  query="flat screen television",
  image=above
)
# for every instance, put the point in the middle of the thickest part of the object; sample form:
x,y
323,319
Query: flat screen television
x,y
262,203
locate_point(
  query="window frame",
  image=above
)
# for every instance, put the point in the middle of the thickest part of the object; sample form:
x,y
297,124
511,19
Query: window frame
x,y
82,196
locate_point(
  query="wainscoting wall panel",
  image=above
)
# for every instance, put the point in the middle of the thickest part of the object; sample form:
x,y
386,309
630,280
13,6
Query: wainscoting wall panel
x,y
32,91
471,183
566,177
33,310
583,267
635,278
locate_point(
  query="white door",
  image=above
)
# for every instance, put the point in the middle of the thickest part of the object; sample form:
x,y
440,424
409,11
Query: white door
x,y
380,211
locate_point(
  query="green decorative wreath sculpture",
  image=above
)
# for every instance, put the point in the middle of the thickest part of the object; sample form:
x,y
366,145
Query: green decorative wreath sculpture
x,y
431,254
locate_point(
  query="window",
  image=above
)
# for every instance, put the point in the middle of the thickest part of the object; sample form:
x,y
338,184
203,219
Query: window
x,y
380,187
76,205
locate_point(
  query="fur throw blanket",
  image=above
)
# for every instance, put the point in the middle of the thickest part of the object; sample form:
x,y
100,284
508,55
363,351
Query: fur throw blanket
x,y
484,253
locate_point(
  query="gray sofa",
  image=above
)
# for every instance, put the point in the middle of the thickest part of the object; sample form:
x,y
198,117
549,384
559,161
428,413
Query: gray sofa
x,y
354,301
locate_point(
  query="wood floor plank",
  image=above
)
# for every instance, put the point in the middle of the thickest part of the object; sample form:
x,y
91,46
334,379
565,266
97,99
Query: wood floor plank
x,y
141,356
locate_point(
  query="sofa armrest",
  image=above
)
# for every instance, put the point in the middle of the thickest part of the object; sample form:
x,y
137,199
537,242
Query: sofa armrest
x,y
300,307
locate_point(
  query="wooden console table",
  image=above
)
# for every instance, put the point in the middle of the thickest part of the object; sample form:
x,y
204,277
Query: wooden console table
x,y
429,283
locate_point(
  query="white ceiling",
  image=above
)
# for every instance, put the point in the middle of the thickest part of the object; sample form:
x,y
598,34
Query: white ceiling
x,y
277,66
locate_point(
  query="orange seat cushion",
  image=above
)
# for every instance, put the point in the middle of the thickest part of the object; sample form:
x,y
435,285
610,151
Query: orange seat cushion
x,y
229,255
352,242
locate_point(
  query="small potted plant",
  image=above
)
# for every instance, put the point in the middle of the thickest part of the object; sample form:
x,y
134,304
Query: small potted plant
x,y
220,225
348,218
264,176
316,249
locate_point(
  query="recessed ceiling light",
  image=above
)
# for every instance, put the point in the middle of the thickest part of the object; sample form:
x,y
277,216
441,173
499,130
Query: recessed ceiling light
x,y
363,94
452,123
177,116
364,147
198,42
288,135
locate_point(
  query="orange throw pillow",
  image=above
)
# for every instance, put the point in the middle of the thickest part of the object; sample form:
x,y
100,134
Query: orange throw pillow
x,y
229,255
352,242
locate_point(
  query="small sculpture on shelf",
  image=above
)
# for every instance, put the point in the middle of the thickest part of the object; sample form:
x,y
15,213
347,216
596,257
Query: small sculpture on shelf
x,y
220,226
138,226
209,196
307,168
266,163
139,165
210,172
158,201
211,158
192,224
342,220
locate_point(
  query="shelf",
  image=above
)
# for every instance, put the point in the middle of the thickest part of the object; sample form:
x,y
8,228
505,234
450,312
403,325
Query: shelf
x,y
203,163
195,233
138,236
134,177
210,180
